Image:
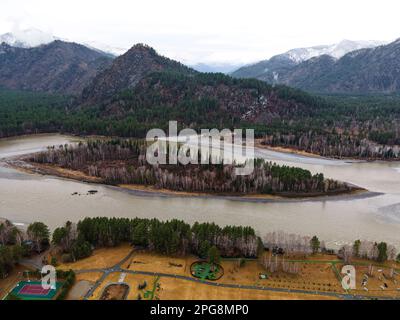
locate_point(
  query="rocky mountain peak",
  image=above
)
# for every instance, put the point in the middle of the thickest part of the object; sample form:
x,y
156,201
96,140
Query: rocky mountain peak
x,y
127,71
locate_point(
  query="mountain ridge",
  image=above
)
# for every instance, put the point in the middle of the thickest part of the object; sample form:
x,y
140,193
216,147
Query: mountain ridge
x,y
370,70
31,38
366,70
58,67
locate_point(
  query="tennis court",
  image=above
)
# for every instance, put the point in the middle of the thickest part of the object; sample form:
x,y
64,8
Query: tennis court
x,y
33,290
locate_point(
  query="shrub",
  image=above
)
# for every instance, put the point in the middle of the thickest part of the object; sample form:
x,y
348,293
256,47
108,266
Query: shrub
x,y
66,258
69,281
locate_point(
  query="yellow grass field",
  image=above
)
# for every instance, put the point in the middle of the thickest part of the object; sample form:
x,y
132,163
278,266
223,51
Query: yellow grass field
x,y
317,273
311,277
101,258
175,289
144,261
92,276
172,289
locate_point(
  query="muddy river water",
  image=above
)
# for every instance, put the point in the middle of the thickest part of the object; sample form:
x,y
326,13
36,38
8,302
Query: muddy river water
x,y
25,198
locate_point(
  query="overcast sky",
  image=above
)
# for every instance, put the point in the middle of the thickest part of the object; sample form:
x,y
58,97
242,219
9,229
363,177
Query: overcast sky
x,y
208,30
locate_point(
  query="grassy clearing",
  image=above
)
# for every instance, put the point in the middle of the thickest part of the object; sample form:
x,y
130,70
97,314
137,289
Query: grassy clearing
x,y
100,259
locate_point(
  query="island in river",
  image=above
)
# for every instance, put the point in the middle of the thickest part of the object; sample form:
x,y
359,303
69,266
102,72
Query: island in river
x,y
123,162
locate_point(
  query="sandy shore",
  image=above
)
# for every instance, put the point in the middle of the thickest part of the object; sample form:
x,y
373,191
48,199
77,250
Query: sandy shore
x,y
51,170
151,189
298,152
260,198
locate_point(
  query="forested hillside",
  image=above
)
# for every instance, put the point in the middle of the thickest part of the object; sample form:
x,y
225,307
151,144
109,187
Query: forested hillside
x,y
58,67
127,71
365,127
27,113
335,126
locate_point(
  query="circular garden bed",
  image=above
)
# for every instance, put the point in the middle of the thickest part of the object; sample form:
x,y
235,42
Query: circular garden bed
x,y
206,271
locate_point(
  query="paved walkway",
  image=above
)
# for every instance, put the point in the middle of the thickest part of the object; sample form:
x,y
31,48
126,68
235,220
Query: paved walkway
x,y
35,262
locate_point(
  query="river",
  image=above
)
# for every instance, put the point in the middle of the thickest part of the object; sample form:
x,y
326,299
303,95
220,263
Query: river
x,y
25,198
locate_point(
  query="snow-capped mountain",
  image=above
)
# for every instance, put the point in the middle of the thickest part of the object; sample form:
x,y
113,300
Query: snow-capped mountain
x,y
115,51
336,50
273,69
30,38
364,70
27,38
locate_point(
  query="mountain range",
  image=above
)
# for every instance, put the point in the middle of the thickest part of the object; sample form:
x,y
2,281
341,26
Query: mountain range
x,y
36,61
141,89
149,88
141,85
271,70
336,50
373,69
30,38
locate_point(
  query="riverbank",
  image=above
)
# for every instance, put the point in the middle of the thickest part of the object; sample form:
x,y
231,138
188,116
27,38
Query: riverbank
x,y
19,163
258,144
299,152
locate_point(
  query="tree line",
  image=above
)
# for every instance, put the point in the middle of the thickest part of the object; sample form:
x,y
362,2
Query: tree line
x,y
166,237
206,240
11,249
336,145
